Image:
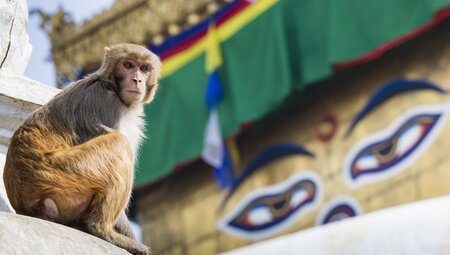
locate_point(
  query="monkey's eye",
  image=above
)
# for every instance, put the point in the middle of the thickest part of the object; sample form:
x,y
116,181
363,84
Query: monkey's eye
x,y
127,65
145,68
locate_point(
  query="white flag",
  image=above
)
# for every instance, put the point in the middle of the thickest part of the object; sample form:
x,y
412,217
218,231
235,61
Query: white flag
x,y
213,150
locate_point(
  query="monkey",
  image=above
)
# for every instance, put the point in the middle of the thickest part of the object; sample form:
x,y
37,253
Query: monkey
x,y
72,160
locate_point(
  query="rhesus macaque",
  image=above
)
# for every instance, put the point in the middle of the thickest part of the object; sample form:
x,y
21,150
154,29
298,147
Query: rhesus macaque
x,y
72,160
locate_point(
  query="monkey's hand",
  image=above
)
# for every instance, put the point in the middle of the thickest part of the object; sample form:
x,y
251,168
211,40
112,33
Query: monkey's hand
x,y
102,129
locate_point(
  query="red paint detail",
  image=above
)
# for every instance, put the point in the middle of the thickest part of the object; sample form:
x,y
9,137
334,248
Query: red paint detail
x,y
238,8
186,45
326,119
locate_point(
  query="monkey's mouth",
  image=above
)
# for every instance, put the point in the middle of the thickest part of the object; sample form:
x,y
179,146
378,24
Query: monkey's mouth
x,y
133,91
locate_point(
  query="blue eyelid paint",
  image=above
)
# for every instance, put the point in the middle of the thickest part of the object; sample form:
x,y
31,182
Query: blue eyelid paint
x,y
389,90
272,153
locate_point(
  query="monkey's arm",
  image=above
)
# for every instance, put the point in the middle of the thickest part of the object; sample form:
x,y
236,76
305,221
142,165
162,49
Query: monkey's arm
x,y
97,157
105,165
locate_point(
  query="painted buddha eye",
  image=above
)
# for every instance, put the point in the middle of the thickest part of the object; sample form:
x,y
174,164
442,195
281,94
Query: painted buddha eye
x,y
389,152
273,208
268,209
339,208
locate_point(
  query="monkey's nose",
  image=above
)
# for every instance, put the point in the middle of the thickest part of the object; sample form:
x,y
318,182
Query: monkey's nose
x,y
137,78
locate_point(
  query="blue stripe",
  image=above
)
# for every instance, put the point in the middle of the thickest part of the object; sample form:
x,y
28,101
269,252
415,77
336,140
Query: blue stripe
x,y
184,36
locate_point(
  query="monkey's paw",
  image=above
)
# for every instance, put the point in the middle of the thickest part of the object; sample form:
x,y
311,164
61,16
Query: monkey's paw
x,y
140,249
102,129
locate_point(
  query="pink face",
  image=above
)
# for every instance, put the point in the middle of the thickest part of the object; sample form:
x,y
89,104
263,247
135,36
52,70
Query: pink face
x,y
133,79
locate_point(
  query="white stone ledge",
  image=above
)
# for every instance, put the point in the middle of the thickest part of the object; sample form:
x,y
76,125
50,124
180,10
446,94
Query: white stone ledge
x,y
25,90
417,228
5,206
19,97
25,235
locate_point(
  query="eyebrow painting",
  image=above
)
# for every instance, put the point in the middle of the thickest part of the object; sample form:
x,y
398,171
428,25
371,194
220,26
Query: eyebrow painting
x,y
390,90
267,156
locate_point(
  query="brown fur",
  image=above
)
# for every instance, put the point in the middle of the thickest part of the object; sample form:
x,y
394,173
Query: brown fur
x,y
68,163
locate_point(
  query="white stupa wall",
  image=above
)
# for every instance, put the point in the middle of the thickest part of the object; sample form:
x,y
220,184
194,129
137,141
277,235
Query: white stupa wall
x,y
14,42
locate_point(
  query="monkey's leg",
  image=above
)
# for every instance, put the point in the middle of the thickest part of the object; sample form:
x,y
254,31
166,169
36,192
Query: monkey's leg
x,y
107,164
97,225
123,226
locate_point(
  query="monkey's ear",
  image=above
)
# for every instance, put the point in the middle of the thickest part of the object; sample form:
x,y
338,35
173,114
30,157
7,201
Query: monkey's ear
x,y
107,49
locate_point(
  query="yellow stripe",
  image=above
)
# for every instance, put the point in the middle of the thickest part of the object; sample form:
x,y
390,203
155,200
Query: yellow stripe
x,y
241,19
225,31
172,64
213,53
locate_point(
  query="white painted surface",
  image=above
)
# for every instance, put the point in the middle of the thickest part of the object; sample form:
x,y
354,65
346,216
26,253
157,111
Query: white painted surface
x,y
417,228
21,88
25,235
14,42
19,97
5,206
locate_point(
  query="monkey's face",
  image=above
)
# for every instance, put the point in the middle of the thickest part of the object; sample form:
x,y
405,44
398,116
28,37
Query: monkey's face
x,y
132,76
